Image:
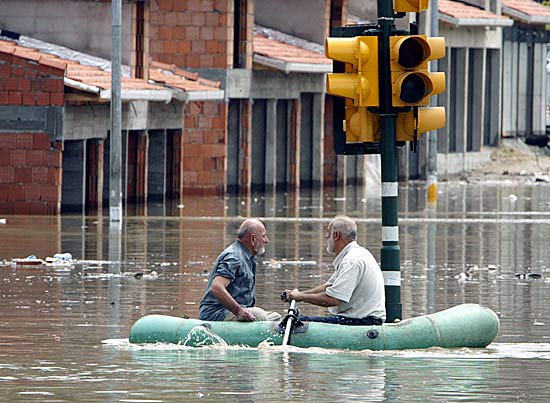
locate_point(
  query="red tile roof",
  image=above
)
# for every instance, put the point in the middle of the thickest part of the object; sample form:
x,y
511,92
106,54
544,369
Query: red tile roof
x,y
89,75
284,56
178,78
528,11
460,14
95,77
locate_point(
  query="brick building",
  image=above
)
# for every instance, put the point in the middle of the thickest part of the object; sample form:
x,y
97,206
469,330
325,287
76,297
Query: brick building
x,y
229,95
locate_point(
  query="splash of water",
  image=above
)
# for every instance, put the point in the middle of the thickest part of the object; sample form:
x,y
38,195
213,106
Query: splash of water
x,y
201,336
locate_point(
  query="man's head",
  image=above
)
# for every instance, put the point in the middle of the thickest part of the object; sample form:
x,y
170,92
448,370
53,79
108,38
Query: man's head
x,y
253,236
340,231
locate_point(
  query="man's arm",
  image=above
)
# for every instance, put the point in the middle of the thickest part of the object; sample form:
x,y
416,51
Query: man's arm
x,y
286,294
315,296
316,290
219,290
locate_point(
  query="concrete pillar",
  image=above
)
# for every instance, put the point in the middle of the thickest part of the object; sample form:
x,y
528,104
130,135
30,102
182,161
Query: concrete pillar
x,y
403,163
443,100
460,64
539,89
493,100
318,136
283,150
141,166
523,78
156,166
509,86
271,151
245,144
74,177
106,165
295,145
306,139
233,145
476,98
258,171
94,175
462,99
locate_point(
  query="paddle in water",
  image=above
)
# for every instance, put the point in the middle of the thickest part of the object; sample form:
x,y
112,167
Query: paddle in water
x,y
290,320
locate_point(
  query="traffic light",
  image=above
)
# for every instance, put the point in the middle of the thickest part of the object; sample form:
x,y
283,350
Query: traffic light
x,y
414,6
362,126
412,83
423,120
359,82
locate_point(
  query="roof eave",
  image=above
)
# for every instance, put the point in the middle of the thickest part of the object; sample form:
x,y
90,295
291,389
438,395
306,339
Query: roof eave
x,y
78,85
522,17
143,95
475,22
186,96
289,67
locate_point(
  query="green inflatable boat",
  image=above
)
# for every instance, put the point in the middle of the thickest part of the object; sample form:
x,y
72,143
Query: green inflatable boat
x,y
467,325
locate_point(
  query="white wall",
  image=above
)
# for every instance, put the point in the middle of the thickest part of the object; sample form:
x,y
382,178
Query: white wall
x,y
304,19
76,24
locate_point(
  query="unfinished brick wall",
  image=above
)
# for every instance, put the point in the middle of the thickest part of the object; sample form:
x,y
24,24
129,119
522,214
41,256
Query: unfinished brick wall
x,y
192,33
30,168
196,34
25,82
204,147
30,174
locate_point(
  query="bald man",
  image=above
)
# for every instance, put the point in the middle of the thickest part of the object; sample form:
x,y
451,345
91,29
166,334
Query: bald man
x,y
354,294
230,290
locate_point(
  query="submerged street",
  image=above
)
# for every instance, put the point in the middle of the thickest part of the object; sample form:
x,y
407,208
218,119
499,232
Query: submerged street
x,y
64,328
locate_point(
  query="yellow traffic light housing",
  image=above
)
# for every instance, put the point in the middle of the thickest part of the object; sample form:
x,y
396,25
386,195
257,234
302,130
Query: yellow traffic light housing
x,y
412,83
361,125
426,120
360,81
414,6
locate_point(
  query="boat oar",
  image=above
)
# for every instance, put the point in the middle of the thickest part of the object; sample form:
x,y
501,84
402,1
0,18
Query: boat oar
x,y
290,319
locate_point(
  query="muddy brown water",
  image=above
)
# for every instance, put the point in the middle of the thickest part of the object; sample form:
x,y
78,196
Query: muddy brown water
x,y
63,330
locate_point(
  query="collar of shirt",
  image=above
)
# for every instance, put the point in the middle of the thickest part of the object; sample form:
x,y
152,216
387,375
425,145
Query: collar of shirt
x,y
338,259
246,252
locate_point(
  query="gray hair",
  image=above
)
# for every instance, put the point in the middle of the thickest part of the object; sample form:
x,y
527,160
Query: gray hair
x,y
248,226
345,226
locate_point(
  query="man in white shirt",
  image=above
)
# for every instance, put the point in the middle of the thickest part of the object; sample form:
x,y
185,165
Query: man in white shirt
x,y
354,294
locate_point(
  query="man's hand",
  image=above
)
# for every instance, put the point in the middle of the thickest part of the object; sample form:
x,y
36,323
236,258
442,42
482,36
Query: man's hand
x,y
244,315
288,295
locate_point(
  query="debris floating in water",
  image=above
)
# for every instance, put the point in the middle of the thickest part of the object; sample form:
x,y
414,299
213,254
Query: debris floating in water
x,y
528,275
277,264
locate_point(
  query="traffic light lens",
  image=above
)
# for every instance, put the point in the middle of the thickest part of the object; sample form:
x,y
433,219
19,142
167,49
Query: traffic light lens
x,y
413,89
411,53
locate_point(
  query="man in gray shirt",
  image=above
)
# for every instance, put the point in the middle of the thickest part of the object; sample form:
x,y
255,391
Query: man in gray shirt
x,y
230,290
355,292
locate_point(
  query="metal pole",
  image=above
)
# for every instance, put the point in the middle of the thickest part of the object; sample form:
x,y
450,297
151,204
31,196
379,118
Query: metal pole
x,y
390,252
115,146
432,136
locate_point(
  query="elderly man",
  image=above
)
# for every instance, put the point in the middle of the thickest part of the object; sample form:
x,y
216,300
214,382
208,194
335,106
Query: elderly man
x,y
355,292
230,290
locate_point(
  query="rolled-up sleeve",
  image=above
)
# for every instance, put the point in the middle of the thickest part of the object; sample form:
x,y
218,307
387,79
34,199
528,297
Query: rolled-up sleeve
x,y
228,267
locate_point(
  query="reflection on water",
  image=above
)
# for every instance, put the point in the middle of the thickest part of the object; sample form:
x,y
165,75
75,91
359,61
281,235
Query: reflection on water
x,y
474,247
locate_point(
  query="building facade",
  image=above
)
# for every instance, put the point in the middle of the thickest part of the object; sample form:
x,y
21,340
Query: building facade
x,y
228,96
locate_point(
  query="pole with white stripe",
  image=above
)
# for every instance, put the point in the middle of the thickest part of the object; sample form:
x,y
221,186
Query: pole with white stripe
x,y
390,253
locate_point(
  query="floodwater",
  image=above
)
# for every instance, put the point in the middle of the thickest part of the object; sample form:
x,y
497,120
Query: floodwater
x,y
64,329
